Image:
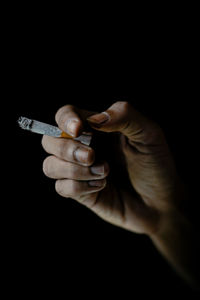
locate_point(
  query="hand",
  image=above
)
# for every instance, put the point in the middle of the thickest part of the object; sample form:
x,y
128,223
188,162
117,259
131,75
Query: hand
x,y
145,155
142,192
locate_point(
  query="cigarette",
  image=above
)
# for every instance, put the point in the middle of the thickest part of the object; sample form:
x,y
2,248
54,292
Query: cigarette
x,y
46,129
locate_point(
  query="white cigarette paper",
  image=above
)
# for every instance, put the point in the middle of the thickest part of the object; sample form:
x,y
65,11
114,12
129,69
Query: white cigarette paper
x,y
46,129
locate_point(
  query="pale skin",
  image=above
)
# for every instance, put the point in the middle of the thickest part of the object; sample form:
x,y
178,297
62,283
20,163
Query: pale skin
x,y
152,204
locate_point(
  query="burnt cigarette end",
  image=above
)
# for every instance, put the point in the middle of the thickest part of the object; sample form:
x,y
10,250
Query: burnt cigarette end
x,y
24,123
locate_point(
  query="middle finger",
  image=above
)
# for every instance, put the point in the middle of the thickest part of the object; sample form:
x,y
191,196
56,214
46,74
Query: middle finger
x,y
69,150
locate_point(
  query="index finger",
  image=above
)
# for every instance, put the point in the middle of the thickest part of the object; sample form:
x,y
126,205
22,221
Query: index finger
x,y
69,120
73,120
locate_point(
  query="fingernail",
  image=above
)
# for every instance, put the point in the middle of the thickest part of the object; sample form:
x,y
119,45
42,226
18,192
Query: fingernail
x,y
99,169
70,127
97,183
99,119
81,155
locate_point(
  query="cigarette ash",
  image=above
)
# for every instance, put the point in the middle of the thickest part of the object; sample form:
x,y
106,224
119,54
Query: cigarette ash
x,y
24,123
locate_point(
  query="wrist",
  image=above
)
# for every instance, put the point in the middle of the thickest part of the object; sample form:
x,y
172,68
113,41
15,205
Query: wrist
x,y
176,240
174,216
170,222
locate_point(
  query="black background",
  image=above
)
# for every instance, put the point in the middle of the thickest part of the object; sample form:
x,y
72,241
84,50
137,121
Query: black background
x,y
54,240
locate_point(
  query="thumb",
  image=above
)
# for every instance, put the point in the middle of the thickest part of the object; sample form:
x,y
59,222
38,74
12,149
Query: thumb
x,y
122,117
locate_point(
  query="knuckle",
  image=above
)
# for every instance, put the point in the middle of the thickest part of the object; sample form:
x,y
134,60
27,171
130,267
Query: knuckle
x,y
47,142
62,148
68,150
67,188
91,156
125,105
44,141
69,107
74,172
58,187
74,188
47,166
59,113
61,110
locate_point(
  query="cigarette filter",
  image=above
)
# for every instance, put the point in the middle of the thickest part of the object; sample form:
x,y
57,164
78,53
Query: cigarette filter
x,y
46,129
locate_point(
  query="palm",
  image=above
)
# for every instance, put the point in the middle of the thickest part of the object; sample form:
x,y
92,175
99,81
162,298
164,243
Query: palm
x,y
119,203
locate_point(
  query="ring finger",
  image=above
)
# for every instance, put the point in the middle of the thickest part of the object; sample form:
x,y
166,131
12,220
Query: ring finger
x,y
57,168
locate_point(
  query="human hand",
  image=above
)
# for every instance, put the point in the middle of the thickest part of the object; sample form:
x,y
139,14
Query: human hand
x,y
144,153
141,193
